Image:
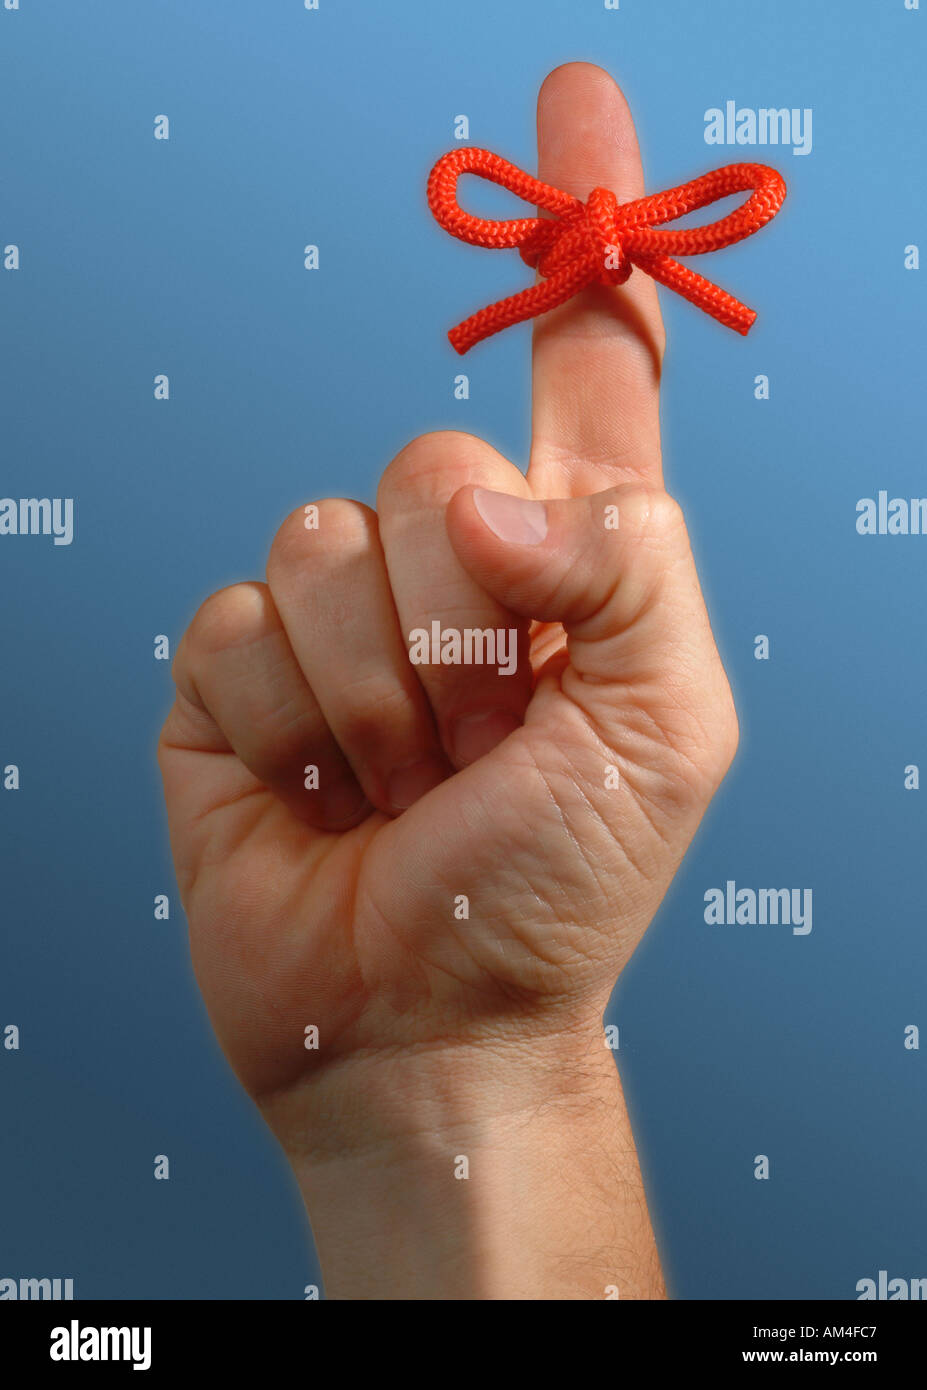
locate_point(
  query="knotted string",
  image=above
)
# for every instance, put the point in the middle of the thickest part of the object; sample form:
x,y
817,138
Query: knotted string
x,y
601,240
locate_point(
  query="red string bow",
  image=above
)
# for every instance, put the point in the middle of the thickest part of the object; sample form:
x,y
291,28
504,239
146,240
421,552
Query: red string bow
x,y
600,241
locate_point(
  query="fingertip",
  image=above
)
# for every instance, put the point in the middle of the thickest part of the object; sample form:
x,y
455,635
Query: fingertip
x,y
586,133
575,76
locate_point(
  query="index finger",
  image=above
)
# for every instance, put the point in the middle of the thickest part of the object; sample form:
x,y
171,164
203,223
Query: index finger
x,y
597,358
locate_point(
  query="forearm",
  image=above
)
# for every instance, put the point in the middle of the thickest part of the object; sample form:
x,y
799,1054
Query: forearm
x,y
503,1172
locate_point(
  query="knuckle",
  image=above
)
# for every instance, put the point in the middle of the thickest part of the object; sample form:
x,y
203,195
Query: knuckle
x,y
666,515
727,739
319,530
433,465
715,742
231,617
650,512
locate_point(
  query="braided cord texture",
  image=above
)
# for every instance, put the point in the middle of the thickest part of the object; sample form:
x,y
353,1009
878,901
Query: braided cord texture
x,y
601,241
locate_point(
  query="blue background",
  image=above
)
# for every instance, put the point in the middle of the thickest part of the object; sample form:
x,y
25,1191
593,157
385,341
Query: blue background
x,y
184,257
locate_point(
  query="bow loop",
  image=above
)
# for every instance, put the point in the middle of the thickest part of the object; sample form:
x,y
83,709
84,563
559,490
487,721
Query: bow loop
x,y
601,241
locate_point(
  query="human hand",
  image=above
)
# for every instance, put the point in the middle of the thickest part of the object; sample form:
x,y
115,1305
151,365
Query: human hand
x,y
484,850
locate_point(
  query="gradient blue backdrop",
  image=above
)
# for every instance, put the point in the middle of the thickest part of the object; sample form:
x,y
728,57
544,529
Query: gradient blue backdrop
x,y
184,257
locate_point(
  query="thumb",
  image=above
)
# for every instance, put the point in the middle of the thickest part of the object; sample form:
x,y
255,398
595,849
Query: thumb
x,y
614,568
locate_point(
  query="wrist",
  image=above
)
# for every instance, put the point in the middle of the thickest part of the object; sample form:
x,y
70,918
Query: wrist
x,y
378,1103
481,1170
